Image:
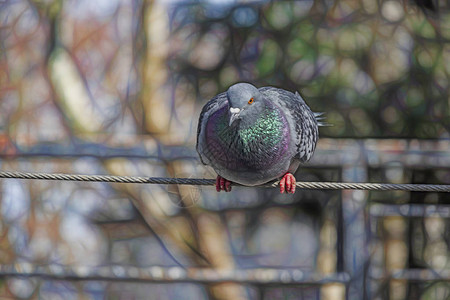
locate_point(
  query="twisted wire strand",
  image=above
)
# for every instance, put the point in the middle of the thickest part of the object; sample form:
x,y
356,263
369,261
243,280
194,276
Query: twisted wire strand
x,y
201,181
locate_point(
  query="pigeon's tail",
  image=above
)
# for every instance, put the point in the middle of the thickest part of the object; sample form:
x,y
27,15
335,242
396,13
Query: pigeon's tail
x,y
319,116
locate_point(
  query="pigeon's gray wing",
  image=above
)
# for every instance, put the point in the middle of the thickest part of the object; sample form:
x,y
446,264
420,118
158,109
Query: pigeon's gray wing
x,y
302,118
210,107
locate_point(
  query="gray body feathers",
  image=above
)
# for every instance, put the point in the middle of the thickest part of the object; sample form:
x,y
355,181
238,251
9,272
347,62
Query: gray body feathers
x,y
268,142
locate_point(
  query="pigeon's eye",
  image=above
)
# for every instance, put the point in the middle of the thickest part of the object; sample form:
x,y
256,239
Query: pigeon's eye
x,y
251,100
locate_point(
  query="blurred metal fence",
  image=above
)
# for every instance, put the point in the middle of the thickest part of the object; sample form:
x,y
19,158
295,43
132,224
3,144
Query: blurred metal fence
x,y
376,252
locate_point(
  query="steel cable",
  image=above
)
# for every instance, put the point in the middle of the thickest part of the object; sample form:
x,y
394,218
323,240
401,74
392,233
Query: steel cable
x,y
201,181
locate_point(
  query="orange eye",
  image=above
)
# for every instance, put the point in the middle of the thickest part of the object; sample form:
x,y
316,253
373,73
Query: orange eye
x,y
251,100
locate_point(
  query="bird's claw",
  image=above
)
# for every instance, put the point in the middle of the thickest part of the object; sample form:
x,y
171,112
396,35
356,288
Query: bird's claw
x,y
287,184
222,184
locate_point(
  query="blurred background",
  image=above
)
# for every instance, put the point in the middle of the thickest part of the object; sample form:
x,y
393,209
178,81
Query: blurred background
x,y
116,87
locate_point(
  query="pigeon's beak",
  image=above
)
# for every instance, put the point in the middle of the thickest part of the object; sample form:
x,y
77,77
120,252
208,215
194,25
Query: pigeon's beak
x,y
234,114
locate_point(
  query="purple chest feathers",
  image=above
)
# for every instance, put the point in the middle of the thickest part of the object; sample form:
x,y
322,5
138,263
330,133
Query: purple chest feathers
x,y
247,146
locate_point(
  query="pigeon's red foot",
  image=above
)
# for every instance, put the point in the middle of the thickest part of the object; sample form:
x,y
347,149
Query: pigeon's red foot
x,y
222,184
287,184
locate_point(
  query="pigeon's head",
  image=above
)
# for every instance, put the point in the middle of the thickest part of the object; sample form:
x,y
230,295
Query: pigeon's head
x,y
243,99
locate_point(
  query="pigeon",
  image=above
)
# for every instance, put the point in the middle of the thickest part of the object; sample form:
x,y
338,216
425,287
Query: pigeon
x,y
252,136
